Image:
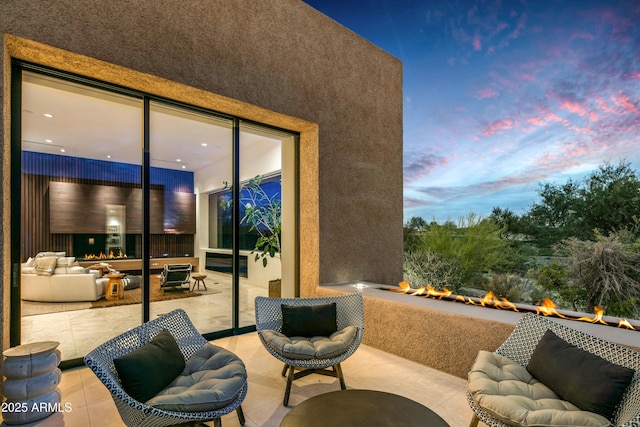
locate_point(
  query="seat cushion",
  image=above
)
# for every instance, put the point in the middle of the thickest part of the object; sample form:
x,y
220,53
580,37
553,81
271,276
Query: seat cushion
x,y
301,348
212,378
511,394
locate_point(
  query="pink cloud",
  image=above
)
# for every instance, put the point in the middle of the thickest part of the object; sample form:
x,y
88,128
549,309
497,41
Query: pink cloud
x,y
500,125
603,106
574,107
625,104
487,93
477,44
421,164
527,77
536,121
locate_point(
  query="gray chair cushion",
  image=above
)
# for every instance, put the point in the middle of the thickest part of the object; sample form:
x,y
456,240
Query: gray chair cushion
x,y
301,348
511,394
212,378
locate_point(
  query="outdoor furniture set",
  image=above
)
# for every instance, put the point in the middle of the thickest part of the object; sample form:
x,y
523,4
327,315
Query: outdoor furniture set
x,y
164,372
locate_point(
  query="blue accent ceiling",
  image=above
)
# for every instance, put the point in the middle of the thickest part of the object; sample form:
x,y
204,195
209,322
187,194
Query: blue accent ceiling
x,y
90,169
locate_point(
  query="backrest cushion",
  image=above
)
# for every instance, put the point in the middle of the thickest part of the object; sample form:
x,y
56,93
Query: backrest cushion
x,y
149,369
309,320
577,376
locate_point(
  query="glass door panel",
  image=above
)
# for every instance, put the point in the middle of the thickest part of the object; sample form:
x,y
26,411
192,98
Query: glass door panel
x,y
80,214
266,202
191,158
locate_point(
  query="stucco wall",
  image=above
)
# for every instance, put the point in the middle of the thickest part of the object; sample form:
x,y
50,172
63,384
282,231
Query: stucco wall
x,y
279,62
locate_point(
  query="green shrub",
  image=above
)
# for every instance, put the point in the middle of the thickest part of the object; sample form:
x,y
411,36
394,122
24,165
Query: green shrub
x,y
475,244
506,286
424,268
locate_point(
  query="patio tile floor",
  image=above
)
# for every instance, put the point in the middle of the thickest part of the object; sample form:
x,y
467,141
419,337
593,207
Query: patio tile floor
x,y
368,368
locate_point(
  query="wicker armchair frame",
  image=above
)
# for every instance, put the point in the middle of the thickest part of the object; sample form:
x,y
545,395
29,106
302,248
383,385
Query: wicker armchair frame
x,y
525,337
133,412
349,312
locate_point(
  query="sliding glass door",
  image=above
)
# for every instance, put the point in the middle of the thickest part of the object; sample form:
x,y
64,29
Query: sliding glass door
x,y
81,205
127,212
190,153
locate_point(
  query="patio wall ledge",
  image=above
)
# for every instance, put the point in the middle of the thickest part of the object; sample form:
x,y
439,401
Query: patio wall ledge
x,y
445,335
444,341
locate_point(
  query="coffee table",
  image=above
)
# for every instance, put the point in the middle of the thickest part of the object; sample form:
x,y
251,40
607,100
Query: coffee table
x,y
366,408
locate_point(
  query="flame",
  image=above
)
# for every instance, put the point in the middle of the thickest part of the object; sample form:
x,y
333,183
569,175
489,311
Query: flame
x,y
548,308
405,287
433,292
624,323
597,318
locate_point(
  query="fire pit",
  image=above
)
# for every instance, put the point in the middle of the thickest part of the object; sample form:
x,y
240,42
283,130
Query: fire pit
x,y
547,308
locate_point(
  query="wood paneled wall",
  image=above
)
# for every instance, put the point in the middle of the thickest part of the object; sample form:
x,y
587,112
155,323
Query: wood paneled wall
x,y
36,231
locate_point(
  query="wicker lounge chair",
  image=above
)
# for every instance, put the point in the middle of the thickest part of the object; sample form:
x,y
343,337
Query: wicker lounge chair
x,y
311,354
190,343
517,351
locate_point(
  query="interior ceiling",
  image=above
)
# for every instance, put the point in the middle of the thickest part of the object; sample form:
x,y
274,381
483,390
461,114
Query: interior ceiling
x,y
96,124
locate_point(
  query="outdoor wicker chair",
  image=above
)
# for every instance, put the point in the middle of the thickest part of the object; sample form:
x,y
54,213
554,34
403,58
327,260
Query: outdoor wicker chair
x,y
208,360
519,348
311,354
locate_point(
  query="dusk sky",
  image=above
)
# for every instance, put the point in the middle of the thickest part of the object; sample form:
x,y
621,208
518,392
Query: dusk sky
x,y
501,96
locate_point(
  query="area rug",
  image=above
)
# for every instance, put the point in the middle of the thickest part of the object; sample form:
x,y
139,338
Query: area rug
x,y
32,308
134,296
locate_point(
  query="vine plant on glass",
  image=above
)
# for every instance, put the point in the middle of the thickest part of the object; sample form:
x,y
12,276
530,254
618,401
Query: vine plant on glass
x,y
263,214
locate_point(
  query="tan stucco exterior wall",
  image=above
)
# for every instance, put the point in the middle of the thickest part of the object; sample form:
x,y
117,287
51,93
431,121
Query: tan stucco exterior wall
x,y
278,62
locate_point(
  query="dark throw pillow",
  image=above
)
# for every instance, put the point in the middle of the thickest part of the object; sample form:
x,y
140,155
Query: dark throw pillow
x,y
147,370
309,321
584,379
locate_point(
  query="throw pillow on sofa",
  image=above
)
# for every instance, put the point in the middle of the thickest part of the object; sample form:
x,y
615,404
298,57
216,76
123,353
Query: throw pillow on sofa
x,y
45,265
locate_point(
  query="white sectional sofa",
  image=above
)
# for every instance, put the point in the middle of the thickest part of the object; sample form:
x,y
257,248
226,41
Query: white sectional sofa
x,y
52,277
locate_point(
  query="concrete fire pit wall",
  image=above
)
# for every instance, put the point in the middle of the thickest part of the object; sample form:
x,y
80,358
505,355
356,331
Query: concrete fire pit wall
x,y
443,341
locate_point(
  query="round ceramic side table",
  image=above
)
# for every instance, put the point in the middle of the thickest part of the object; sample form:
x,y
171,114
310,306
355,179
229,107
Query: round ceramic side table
x,y
31,385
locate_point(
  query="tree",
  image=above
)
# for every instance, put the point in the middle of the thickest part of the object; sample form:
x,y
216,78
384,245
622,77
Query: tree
x,y
508,220
611,198
411,233
607,200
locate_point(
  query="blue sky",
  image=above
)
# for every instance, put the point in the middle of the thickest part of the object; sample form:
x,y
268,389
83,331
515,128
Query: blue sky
x,y
501,96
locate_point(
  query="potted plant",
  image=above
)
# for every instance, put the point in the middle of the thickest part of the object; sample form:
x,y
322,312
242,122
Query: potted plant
x,y
263,214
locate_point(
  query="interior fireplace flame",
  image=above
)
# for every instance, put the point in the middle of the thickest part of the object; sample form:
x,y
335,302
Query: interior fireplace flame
x,y
546,308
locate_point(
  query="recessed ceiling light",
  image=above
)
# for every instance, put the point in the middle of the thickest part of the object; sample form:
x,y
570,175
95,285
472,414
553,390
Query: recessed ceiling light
x,y
184,167
48,115
48,140
109,156
204,144
62,150
178,160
